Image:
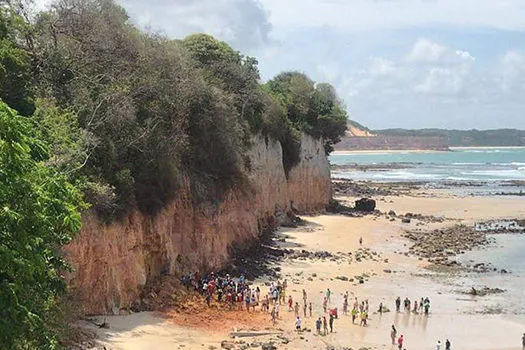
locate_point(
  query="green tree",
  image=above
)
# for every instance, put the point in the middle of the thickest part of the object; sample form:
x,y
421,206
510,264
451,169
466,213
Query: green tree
x,y
38,215
15,63
312,108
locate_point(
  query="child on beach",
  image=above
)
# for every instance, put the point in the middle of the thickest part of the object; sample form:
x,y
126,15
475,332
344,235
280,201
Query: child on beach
x,y
274,315
298,323
318,325
400,342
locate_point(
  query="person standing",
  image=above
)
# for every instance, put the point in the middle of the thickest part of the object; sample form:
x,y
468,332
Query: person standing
x,y
304,296
393,334
290,303
325,302
354,315
398,304
328,294
318,325
325,326
304,309
331,321
447,344
310,309
400,342
296,309
523,342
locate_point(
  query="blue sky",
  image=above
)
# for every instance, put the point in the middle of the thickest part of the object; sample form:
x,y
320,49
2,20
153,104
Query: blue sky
x,y
395,63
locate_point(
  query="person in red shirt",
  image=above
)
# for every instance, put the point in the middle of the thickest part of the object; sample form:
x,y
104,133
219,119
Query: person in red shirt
x,y
400,342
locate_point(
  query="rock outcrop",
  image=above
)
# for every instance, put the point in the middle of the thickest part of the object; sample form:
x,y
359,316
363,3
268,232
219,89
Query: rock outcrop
x,y
112,263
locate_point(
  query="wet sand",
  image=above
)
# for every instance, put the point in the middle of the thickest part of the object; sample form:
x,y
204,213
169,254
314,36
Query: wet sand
x,y
461,318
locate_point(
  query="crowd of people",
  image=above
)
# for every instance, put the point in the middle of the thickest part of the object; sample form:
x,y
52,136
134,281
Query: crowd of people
x,y
237,294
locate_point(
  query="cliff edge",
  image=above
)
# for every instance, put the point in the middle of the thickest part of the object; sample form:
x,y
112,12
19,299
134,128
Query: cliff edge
x,y
112,263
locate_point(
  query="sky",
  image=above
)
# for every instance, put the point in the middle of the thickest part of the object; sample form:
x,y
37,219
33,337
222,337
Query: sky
x,y
395,63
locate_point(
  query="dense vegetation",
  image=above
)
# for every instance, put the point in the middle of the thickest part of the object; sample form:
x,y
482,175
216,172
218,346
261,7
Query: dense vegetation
x,y
466,138
40,211
151,110
127,116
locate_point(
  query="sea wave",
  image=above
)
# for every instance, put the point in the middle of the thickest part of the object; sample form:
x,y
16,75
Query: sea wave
x,y
505,173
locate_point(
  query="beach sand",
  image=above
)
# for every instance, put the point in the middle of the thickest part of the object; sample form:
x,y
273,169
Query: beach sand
x,y
460,318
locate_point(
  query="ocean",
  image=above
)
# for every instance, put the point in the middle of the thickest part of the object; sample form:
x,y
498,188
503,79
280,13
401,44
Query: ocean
x,y
496,168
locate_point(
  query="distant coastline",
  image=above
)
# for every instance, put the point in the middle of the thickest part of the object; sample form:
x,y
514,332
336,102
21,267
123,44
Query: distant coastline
x,y
391,151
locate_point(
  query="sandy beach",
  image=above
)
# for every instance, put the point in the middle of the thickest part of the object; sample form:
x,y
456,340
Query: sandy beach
x,y
388,274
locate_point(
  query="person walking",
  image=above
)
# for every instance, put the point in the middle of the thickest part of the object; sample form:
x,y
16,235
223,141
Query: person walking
x,y
447,344
398,304
393,334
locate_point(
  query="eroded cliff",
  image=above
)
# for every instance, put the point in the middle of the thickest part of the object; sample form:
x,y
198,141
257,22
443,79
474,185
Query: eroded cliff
x,y
113,262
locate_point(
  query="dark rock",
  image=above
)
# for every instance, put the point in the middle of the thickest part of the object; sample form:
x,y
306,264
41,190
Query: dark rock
x,y
406,220
268,346
365,204
228,345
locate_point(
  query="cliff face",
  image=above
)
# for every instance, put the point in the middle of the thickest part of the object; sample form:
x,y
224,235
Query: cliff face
x,y
113,262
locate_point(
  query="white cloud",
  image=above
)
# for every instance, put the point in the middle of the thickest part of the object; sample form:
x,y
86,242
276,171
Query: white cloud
x,y
434,85
425,51
511,74
242,23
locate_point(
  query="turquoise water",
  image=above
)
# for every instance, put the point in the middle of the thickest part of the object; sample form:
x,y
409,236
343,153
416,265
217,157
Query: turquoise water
x,y
506,253
471,164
